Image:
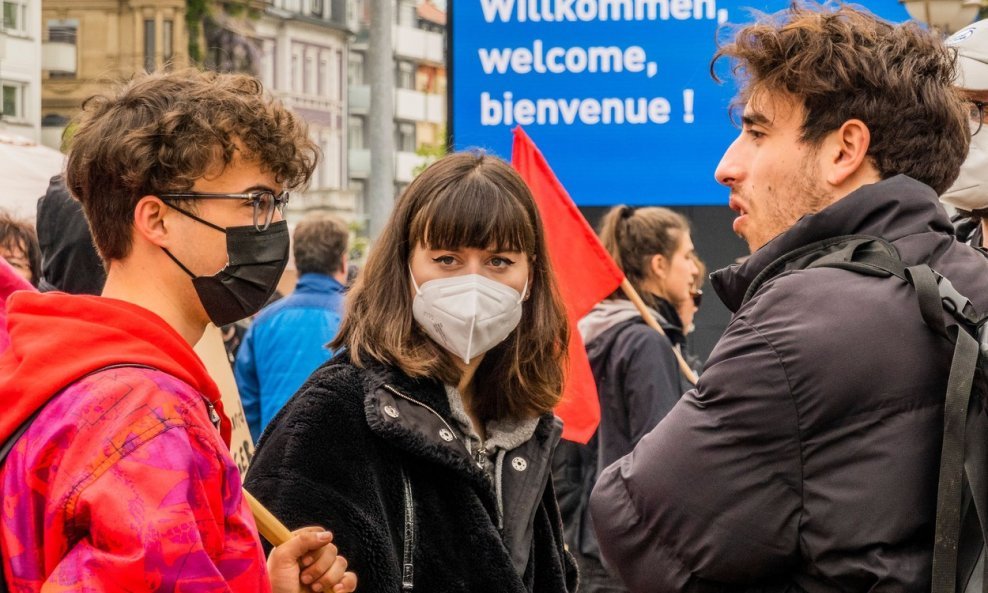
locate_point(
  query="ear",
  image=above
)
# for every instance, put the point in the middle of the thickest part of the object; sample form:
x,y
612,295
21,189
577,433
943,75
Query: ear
x,y
847,151
659,265
149,221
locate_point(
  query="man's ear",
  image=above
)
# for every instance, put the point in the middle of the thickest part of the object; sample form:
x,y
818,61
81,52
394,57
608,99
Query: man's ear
x,y
847,151
149,221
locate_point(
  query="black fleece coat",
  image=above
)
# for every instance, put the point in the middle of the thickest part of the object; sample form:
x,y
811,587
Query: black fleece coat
x,y
807,457
334,457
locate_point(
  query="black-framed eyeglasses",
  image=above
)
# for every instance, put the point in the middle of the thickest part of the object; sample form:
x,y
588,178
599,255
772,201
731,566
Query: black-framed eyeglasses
x,y
697,296
976,111
265,203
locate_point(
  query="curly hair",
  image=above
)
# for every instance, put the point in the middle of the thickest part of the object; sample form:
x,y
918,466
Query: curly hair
x,y
19,236
163,131
844,64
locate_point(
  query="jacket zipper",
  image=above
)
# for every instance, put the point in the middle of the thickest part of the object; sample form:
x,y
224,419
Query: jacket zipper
x,y
441,419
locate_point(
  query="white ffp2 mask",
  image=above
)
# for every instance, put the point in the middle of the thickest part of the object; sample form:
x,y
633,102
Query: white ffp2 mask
x,y
970,190
468,315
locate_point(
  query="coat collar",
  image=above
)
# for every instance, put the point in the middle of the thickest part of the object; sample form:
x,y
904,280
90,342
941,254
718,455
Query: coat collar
x,y
891,209
317,284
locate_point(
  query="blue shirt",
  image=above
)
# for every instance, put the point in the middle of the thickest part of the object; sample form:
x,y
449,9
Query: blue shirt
x,y
285,344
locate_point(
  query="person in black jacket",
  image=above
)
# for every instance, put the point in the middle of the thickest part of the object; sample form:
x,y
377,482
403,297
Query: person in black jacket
x,y
634,367
807,457
426,445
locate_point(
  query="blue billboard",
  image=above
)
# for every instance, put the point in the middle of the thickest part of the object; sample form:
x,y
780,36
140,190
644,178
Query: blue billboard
x,y
616,93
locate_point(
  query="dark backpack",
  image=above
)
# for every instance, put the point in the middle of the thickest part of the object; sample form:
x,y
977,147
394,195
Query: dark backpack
x,y
962,494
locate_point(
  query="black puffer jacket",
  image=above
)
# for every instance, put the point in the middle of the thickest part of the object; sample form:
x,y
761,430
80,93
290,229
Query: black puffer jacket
x,y
807,458
334,456
638,381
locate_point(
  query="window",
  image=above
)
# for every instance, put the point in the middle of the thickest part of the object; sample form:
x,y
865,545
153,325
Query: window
x,y
405,137
355,133
407,14
168,40
316,7
63,31
149,46
405,76
15,16
13,102
355,73
309,78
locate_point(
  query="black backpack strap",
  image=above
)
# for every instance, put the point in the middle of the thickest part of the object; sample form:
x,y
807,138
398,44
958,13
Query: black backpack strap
x,y
962,489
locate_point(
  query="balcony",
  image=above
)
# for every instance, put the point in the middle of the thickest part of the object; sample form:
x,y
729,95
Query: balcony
x,y
58,57
311,102
359,99
417,106
418,45
405,164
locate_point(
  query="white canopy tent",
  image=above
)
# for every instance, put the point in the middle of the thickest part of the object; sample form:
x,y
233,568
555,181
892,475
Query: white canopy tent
x,y
25,170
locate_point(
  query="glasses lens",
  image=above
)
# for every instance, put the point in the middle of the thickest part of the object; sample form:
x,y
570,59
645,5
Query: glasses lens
x,y
263,210
697,298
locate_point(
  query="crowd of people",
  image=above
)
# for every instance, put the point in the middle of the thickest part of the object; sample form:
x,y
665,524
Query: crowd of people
x,y
404,416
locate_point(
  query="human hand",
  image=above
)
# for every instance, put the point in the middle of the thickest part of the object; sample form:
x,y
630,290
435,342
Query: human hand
x,y
324,570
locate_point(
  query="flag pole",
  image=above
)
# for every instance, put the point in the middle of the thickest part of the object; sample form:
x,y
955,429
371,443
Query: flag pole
x,y
267,524
632,294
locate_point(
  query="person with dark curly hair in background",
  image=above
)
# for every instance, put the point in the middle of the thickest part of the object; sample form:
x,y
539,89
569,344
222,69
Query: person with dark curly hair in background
x,y
120,477
19,247
807,457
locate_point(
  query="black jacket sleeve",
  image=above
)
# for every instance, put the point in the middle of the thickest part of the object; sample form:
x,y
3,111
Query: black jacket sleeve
x,y
710,499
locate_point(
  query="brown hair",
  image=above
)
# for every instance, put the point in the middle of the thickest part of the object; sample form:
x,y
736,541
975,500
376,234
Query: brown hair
x,y
319,243
161,132
462,200
19,235
634,235
847,64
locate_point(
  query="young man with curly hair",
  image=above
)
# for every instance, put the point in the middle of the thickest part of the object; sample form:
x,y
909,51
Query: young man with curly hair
x,y
123,480
806,458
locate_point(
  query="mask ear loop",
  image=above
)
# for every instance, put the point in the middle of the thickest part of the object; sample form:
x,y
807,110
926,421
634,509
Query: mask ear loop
x,y
524,293
418,291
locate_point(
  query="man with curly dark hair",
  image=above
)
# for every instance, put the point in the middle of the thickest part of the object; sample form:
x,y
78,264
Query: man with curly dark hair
x,y
120,476
806,459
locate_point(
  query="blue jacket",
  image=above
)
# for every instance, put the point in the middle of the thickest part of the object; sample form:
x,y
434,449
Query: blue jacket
x,y
287,341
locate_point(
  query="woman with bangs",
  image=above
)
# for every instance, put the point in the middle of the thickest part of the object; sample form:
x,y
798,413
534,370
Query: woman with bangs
x,y
425,446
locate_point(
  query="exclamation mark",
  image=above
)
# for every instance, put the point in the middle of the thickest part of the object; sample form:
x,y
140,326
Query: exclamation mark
x,y
688,105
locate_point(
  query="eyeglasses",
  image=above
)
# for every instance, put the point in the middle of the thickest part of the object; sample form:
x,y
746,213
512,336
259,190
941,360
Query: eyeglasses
x,y
265,203
697,297
976,111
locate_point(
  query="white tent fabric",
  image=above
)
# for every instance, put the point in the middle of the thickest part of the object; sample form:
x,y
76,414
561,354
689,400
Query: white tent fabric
x,y
25,170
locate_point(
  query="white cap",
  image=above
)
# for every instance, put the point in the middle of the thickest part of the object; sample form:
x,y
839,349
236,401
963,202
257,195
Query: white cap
x,y
971,44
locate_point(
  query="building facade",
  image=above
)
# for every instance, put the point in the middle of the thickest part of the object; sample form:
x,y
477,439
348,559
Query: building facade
x,y
20,69
418,40
303,56
88,43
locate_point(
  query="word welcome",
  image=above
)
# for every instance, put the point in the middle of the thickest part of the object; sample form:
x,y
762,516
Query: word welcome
x,y
560,60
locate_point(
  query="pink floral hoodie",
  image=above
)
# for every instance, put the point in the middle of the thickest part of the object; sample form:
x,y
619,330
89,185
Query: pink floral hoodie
x,y
122,483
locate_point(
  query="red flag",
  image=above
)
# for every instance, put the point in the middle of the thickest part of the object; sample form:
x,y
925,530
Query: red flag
x,y
586,275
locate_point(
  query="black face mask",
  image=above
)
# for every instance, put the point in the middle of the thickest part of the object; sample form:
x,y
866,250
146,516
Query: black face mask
x,y
256,262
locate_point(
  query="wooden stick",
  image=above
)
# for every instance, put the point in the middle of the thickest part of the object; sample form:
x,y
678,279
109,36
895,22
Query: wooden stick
x,y
267,524
632,294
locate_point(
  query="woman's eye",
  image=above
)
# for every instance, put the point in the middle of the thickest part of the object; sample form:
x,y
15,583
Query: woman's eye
x,y
446,260
499,262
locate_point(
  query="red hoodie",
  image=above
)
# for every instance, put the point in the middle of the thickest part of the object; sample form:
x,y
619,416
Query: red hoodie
x,y
121,483
58,338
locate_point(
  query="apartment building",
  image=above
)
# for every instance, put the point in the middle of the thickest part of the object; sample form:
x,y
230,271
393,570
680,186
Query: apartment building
x,y
418,40
303,56
20,69
89,43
